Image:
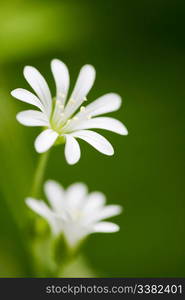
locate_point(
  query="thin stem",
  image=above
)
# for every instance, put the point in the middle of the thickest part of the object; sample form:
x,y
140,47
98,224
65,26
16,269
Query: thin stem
x,y
39,174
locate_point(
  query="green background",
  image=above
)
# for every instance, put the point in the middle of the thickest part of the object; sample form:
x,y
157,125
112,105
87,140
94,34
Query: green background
x,y
138,50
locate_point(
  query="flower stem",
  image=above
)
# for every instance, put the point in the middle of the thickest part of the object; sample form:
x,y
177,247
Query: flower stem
x,y
39,174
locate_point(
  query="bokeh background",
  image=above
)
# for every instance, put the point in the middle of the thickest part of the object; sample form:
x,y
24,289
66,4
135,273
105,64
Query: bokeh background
x,y
138,50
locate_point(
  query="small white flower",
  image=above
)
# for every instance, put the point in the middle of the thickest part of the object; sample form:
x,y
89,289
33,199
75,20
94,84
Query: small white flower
x,y
74,212
64,120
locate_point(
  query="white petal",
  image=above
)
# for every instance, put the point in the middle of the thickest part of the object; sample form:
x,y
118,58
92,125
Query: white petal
x,y
106,212
55,195
28,97
72,150
105,227
61,76
82,87
110,124
74,233
94,201
105,104
39,207
39,85
32,118
44,211
75,195
45,140
96,140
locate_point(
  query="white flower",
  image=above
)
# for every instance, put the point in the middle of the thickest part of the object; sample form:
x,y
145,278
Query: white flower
x,y
63,120
74,212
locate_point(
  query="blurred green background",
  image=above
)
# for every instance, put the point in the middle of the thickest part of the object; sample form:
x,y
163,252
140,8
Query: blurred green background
x,y
138,50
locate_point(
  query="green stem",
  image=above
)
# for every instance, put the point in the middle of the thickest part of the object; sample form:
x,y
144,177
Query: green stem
x,y
39,174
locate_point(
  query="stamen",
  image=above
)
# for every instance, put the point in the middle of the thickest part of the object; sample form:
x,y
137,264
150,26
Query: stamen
x,y
72,101
75,118
68,121
85,98
89,117
61,106
58,102
82,108
62,95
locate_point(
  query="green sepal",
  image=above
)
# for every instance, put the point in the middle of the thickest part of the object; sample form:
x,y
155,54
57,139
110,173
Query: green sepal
x,y
62,252
60,140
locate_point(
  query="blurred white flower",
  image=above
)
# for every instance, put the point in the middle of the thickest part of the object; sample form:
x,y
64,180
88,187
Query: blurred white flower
x,y
63,120
74,212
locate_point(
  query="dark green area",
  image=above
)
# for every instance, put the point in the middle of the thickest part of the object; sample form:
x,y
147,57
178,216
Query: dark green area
x,y
138,50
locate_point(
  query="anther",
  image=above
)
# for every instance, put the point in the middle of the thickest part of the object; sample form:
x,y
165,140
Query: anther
x,y
75,118
82,108
68,121
72,101
62,95
58,102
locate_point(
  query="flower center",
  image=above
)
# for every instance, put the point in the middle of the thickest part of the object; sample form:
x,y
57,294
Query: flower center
x,y
76,214
60,122
57,116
